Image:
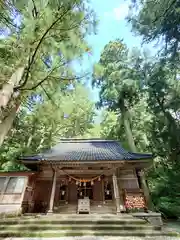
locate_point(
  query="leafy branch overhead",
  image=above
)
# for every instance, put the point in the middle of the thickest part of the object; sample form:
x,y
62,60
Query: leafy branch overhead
x,y
41,123
40,47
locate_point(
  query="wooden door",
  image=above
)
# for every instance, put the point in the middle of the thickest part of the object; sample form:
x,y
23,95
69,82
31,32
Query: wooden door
x,y
72,192
98,191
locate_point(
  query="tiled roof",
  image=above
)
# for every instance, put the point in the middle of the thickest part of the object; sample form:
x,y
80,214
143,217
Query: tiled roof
x,y
88,150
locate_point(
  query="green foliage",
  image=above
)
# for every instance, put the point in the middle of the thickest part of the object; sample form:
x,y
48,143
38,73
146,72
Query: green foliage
x,y
143,93
70,115
46,29
158,20
120,79
44,38
115,77
164,185
109,125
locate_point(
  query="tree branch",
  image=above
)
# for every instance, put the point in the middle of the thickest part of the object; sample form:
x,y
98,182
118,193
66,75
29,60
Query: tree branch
x,y
73,78
48,95
44,79
165,12
39,44
75,25
34,11
57,78
63,38
8,6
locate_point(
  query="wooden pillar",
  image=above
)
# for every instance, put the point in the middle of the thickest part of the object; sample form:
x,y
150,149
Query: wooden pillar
x,y
67,192
119,206
25,186
103,197
53,190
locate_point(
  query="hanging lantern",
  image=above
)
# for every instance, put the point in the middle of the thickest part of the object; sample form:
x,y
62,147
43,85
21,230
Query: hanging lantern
x,y
63,192
99,178
77,182
80,184
84,184
92,183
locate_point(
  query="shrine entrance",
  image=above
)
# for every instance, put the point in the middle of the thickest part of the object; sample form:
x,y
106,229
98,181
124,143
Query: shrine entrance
x,y
85,190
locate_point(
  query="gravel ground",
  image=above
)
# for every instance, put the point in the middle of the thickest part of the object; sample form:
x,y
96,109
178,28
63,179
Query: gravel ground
x,y
99,238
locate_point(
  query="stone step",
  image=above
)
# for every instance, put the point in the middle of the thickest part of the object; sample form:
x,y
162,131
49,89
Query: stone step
x,y
35,227
71,221
59,233
75,215
99,238
88,216
61,225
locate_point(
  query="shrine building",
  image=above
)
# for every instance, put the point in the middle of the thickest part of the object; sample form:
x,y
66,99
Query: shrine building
x,y
109,179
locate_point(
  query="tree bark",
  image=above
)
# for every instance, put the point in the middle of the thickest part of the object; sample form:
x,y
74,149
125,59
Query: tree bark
x,y
6,98
129,132
127,127
133,148
8,88
29,141
40,144
6,124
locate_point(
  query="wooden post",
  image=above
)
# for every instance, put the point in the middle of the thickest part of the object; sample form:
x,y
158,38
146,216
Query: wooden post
x,y
103,197
51,203
67,192
24,188
119,205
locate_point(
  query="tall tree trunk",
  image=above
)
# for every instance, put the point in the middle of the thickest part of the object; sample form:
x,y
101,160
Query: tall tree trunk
x,y
6,124
8,113
129,132
29,141
8,88
32,133
127,127
132,146
145,139
40,144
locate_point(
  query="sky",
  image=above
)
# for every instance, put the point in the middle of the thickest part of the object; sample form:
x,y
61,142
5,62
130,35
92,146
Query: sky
x,y
111,25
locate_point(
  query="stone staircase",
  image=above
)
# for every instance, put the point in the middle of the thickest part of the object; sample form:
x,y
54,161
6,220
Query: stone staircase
x,y
61,225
